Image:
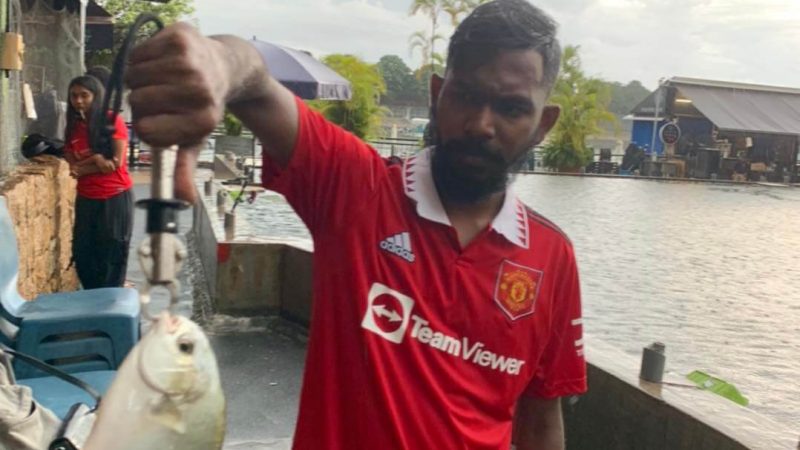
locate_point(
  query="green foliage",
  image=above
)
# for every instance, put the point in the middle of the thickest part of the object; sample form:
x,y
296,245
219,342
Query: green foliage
x,y
425,41
426,44
458,9
625,97
233,126
423,77
401,86
124,13
362,114
584,102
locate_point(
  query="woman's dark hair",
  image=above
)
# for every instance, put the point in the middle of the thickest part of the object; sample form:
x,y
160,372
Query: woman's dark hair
x,y
506,25
92,85
101,73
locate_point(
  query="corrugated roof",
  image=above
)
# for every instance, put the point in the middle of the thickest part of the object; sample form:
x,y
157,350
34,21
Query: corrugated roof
x,y
745,109
733,85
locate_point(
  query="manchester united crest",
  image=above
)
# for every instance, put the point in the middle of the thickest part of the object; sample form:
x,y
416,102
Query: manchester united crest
x,y
517,289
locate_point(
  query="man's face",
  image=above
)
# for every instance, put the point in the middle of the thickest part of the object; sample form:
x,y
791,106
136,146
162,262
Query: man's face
x,y
488,115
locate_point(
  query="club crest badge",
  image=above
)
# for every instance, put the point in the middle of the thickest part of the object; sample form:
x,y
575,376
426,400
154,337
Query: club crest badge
x,y
517,289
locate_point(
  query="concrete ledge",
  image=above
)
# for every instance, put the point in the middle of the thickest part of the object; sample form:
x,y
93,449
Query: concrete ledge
x,y
622,412
666,179
252,277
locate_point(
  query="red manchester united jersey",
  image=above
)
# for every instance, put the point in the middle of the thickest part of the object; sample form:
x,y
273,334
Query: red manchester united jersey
x,y
417,343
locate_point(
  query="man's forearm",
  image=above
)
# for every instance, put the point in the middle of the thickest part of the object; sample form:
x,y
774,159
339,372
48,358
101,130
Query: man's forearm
x,y
551,438
245,70
539,424
263,105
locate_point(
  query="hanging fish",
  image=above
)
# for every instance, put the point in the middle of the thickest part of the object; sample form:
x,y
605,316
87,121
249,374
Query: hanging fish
x,y
166,394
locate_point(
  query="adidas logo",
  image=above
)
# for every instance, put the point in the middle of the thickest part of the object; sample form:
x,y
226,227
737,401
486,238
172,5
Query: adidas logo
x,y
400,245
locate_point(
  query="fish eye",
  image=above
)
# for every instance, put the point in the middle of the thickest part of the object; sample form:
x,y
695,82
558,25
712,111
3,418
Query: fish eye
x,y
186,347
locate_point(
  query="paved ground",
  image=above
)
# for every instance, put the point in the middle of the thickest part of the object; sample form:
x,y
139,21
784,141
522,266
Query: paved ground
x,y
260,360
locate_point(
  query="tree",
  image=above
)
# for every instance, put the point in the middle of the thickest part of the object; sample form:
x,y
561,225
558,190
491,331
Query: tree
x,y
423,77
425,41
583,101
458,9
426,45
124,13
401,86
625,97
362,114
422,40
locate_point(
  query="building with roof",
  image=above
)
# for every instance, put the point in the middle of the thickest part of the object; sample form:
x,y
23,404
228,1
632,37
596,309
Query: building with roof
x,y
723,127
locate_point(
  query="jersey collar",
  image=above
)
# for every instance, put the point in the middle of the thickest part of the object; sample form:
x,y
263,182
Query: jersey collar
x,y
511,222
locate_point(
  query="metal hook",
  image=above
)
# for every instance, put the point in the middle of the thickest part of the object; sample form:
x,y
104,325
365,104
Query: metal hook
x,y
162,253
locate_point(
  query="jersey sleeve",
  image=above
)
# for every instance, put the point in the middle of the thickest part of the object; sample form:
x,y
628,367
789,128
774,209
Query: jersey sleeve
x,y
562,366
120,129
331,175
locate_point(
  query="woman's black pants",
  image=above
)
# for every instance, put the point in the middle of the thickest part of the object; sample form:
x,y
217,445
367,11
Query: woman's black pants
x,y
101,239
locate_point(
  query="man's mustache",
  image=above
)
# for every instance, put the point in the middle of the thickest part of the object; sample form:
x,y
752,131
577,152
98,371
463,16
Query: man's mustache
x,y
472,148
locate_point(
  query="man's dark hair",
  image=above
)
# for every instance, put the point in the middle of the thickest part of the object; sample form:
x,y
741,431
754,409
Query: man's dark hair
x,y
506,25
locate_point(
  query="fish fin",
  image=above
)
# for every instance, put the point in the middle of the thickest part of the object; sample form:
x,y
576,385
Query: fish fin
x,y
167,413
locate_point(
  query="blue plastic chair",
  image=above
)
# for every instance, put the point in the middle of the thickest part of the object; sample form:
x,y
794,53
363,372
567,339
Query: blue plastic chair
x,y
75,331
58,396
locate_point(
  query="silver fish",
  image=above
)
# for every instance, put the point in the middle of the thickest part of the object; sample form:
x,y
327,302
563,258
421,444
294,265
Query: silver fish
x,y
166,394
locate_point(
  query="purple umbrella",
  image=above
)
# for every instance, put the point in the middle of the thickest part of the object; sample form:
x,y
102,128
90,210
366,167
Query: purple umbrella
x,y
306,77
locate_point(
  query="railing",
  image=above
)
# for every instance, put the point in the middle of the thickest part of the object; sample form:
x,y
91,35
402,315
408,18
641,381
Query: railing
x,y
396,146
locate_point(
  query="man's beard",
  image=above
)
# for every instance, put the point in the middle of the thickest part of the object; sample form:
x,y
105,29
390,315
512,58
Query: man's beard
x,y
466,171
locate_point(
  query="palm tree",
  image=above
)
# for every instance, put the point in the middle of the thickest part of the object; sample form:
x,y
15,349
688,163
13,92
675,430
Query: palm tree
x,y
456,8
420,40
584,102
432,8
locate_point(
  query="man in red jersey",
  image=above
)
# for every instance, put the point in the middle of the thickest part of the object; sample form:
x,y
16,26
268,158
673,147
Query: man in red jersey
x,y
443,306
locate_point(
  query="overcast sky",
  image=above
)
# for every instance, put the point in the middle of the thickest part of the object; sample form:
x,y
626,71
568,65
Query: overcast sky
x,y
755,41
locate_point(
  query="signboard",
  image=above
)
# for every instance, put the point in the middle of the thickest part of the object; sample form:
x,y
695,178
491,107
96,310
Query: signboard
x,y
670,133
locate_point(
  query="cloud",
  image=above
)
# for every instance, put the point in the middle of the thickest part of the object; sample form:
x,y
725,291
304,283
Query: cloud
x,y
621,40
359,27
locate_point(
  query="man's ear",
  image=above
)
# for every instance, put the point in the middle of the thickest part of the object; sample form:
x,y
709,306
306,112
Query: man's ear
x,y
436,83
549,118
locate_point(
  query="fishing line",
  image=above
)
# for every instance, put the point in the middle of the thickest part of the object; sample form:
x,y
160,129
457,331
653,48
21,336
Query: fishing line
x,y
104,125
44,367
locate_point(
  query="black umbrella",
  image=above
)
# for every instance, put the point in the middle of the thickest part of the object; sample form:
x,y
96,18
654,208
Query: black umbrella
x,y
308,78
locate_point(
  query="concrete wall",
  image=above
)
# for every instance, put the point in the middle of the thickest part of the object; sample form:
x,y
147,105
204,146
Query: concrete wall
x,y
248,278
41,200
296,286
252,278
621,412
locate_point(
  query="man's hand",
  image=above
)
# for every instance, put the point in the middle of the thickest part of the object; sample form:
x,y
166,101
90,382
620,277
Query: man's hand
x,y
179,84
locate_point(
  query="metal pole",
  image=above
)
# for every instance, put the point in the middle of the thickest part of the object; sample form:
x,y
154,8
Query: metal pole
x,y
84,3
653,154
163,188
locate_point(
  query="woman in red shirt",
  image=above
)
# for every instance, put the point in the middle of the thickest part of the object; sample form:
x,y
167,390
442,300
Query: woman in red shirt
x,y
104,204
